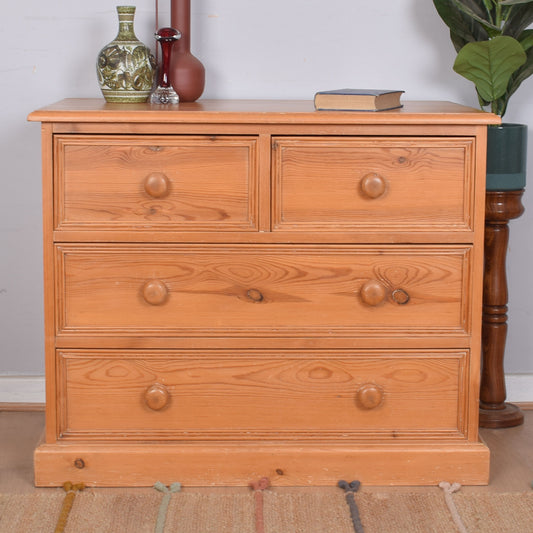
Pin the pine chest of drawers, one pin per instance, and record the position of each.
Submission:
(237, 289)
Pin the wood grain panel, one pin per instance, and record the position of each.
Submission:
(211, 183)
(251, 291)
(261, 394)
(323, 183)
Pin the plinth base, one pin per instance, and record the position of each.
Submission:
(508, 417)
(286, 464)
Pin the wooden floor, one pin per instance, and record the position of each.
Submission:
(511, 454)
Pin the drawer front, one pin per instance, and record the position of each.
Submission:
(383, 184)
(156, 183)
(264, 290)
(262, 395)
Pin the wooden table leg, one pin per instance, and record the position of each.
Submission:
(501, 206)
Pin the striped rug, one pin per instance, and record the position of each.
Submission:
(264, 510)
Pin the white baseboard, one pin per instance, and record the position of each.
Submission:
(30, 389)
(519, 388)
(22, 389)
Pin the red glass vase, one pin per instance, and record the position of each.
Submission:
(187, 73)
(164, 93)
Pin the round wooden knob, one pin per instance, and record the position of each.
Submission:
(373, 292)
(373, 185)
(156, 397)
(369, 396)
(155, 292)
(156, 185)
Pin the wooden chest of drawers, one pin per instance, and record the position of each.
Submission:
(252, 288)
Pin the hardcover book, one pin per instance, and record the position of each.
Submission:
(358, 100)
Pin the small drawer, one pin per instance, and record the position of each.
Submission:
(245, 290)
(381, 184)
(264, 394)
(143, 183)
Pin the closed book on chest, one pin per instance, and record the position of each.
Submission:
(358, 100)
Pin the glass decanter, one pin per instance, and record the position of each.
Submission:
(164, 93)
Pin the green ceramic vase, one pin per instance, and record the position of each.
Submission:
(506, 157)
(126, 67)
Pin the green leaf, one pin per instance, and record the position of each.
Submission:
(490, 65)
(514, 2)
(481, 9)
(462, 28)
(521, 74)
(457, 41)
(526, 39)
(519, 19)
(468, 9)
(489, 5)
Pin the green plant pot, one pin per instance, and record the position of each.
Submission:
(506, 157)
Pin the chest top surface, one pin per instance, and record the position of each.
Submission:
(258, 111)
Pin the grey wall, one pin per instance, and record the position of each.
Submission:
(251, 49)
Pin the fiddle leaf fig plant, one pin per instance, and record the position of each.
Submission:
(494, 47)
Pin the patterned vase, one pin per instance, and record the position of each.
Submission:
(126, 67)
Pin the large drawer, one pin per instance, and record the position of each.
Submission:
(250, 290)
(373, 183)
(262, 394)
(156, 183)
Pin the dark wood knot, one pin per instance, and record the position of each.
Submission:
(400, 296)
(254, 295)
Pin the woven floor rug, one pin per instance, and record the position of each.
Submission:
(288, 510)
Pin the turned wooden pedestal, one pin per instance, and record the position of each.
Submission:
(501, 206)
